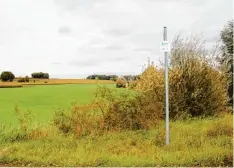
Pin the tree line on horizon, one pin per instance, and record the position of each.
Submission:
(8, 76)
(112, 77)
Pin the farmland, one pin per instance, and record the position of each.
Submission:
(43, 100)
(53, 82)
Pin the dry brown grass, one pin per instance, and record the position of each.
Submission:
(9, 85)
(57, 82)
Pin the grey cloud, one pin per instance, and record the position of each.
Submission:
(74, 4)
(64, 30)
(114, 47)
(142, 49)
(146, 40)
(116, 32)
(84, 63)
(212, 39)
(56, 63)
(195, 3)
(96, 61)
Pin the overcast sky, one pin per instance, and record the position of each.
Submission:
(75, 38)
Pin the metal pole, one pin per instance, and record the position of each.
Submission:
(166, 88)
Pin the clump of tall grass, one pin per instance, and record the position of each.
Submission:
(222, 127)
(81, 120)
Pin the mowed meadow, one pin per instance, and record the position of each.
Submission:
(44, 99)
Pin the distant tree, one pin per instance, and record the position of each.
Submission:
(7, 76)
(46, 76)
(227, 56)
(113, 77)
(103, 77)
(40, 75)
(130, 77)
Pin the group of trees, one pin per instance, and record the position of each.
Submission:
(103, 77)
(131, 77)
(113, 77)
(40, 75)
(8, 76)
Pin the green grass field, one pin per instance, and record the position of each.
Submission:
(43, 100)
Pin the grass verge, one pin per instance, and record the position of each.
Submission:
(196, 142)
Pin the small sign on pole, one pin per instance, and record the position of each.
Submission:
(165, 46)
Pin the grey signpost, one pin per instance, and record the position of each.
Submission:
(166, 83)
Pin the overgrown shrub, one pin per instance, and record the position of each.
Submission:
(7, 76)
(121, 82)
(109, 111)
(132, 84)
(196, 88)
(126, 110)
(151, 86)
(81, 120)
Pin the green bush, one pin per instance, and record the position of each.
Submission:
(7, 76)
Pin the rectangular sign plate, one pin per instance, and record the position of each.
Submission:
(165, 46)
